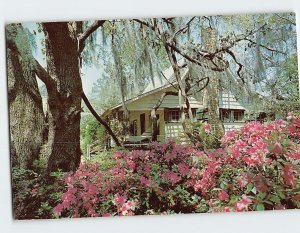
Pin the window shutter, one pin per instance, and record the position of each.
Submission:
(166, 114)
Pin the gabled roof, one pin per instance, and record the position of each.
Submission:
(157, 84)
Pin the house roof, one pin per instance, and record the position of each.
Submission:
(158, 83)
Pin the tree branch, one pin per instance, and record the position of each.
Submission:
(98, 118)
(145, 24)
(169, 81)
(43, 75)
(239, 64)
(265, 47)
(291, 22)
(198, 84)
(184, 28)
(239, 38)
(87, 33)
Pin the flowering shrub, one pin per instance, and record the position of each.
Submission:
(256, 168)
(202, 135)
(35, 193)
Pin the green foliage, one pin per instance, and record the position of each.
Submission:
(288, 80)
(35, 192)
(202, 135)
(92, 131)
(104, 159)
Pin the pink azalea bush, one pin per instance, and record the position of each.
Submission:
(256, 168)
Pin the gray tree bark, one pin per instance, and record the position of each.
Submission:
(26, 117)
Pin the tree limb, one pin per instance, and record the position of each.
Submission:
(265, 47)
(239, 64)
(184, 28)
(198, 83)
(169, 82)
(87, 33)
(98, 118)
(145, 23)
(43, 75)
(291, 22)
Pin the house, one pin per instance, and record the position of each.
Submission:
(233, 111)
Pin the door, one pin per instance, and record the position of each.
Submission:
(142, 121)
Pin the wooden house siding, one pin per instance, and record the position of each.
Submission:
(229, 101)
(146, 103)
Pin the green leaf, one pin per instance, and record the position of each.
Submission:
(260, 207)
(275, 199)
(261, 195)
(281, 195)
(249, 188)
(233, 199)
(268, 202)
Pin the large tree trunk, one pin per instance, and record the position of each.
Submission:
(64, 103)
(25, 103)
(209, 40)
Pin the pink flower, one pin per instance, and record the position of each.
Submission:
(172, 176)
(145, 181)
(119, 200)
(229, 137)
(131, 165)
(207, 128)
(277, 149)
(226, 209)
(117, 155)
(244, 180)
(223, 196)
(290, 116)
(242, 205)
(34, 191)
(58, 209)
(183, 169)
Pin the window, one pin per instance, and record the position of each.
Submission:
(238, 115)
(202, 115)
(225, 115)
(229, 115)
(173, 115)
